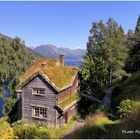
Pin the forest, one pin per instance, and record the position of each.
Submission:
(112, 61)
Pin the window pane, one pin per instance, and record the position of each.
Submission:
(40, 112)
(38, 91)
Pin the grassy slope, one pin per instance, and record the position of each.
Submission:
(102, 127)
(129, 89)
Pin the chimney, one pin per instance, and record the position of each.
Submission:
(43, 64)
(33, 62)
(61, 58)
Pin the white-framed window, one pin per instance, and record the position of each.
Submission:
(76, 83)
(38, 91)
(39, 112)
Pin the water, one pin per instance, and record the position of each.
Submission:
(72, 62)
(6, 94)
(1, 106)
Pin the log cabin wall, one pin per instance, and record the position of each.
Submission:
(72, 111)
(48, 101)
(65, 94)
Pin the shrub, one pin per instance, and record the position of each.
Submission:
(116, 91)
(29, 131)
(92, 108)
(126, 76)
(9, 103)
(6, 131)
(126, 108)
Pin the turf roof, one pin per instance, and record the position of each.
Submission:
(59, 75)
(75, 97)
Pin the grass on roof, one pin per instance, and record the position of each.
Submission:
(68, 101)
(61, 75)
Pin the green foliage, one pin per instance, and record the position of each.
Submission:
(14, 59)
(133, 43)
(106, 56)
(28, 131)
(94, 73)
(128, 89)
(126, 108)
(100, 127)
(9, 103)
(6, 131)
(92, 108)
(25, 130)
(137, 29)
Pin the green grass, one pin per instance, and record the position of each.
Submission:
(56, 133)
(129, 89)
(104, 128)
(68, 101)
(25, 130)
(96, 127)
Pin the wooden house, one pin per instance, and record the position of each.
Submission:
(48, 92)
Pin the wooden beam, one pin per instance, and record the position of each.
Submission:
(90, 98)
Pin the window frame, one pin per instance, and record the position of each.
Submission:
(36, 91)
(40, 115)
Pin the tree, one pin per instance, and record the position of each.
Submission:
(94, 73)
(15, 57)
(106, 54)
(133, 44)
(137, 30)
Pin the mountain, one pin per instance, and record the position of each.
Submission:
(53, 51)
(35, 53)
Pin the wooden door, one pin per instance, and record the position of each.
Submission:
(66, 117)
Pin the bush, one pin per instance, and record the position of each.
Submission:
(126, 76)
(126, 108)
(9, 103)
(29, 131)
(116, 91)
(6, 131)
(93, 107)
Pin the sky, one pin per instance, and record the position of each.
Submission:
(64, 24)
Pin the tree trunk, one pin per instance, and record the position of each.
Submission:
(110, 76)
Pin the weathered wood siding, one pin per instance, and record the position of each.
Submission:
(48, 101)
(65, 94)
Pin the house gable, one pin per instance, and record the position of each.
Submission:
(30, 100)
(38, 80)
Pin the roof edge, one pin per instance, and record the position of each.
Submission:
(48, 80)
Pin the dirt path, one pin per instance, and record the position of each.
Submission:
(107, 98)
(78, 124)
(81, 122)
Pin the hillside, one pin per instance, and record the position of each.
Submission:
(108, 124)
(15, 57)
(53, 51)
(35, 53)
(128, 89)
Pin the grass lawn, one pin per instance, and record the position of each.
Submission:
(56, 133)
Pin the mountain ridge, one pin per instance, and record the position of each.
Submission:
(48, 50)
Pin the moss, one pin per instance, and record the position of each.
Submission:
(68, 101)
(61, 76)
